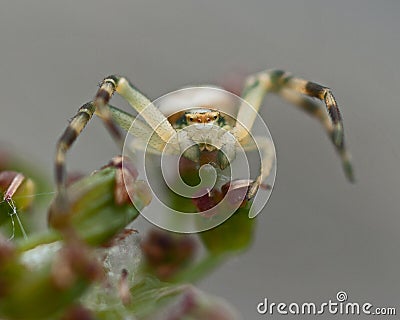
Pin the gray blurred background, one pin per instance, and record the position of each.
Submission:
(318, 234)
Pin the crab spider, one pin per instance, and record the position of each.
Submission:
(163, 130)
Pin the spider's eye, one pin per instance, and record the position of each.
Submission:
(215, 117)
(191, 119)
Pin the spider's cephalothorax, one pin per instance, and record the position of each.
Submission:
(206, 129)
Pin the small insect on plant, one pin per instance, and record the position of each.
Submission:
(183, 130)
(14, 183)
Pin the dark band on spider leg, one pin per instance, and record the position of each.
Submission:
(70, 134)
(103, 95)
(73, 130)
(107, 88)
(315, 90)
(277, 75)
(60, 174)
(275, 80)
(280, 78)
(333, 108)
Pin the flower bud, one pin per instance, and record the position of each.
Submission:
(97, 207)
(166, 253)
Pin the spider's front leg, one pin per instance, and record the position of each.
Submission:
(267, 154)
(297, 91)
(112, 118)
(227, 152)
(99, 105)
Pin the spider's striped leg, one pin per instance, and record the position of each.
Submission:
(314, 90)
(111, 118)
(147, 139)
(150, 114)
(267, 152)
(288, 86)
(78, 123)
(147, 110)
(103, 96)
(314, 109)
(70, 134)
(99, 106)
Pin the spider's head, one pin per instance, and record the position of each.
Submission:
(202, 116)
